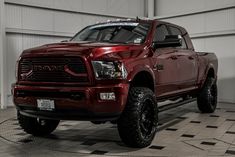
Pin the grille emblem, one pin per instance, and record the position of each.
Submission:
(48, 68)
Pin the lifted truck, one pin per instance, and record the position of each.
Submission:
(115, 71)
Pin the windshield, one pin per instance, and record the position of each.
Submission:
(121, 32)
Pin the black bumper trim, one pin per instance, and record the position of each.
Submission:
(82, 114)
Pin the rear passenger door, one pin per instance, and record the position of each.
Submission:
(186, 65)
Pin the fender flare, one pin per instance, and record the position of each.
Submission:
(210, 66)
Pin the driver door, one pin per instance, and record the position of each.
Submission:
(164, 65)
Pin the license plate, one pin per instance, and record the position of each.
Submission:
(46, 105)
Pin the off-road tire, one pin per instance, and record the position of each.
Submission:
(137, 125)
(207, 98)
(36, 126)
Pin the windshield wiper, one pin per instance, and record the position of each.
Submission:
(109, 41)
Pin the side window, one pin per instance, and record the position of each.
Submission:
(176, 31)
(161, 32)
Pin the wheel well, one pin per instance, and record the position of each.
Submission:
(211, 73)
(143, 79)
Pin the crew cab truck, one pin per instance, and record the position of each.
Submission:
(115, 71)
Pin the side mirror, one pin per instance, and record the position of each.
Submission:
(170, 41)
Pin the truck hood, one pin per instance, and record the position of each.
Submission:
(92, 50)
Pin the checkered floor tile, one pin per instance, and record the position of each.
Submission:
(183, 132)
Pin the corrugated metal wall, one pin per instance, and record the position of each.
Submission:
(211, 24)
(32, 23)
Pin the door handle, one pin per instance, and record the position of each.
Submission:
(191, 58)
(174, 57)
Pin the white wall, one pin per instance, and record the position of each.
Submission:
(32, 23)
(211, 24)
(170, 7)
(3, 79)
(115, 8)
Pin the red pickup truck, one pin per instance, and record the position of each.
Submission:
(116, 71)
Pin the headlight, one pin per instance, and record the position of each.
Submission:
(109, 70)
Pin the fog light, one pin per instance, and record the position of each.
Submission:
(107, 96)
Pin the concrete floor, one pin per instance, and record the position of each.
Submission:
(182, 132)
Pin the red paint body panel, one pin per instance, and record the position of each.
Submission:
(184, 72)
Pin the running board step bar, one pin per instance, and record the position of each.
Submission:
(173, 105)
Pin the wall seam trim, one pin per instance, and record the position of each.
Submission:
(213, 34)
(39, 32)
(69, 35)
(194, 13)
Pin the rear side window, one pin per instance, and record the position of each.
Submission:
(176, 31)
(160, 33)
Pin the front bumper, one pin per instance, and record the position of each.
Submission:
(71, 103)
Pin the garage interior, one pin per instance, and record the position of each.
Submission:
(183, 131)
